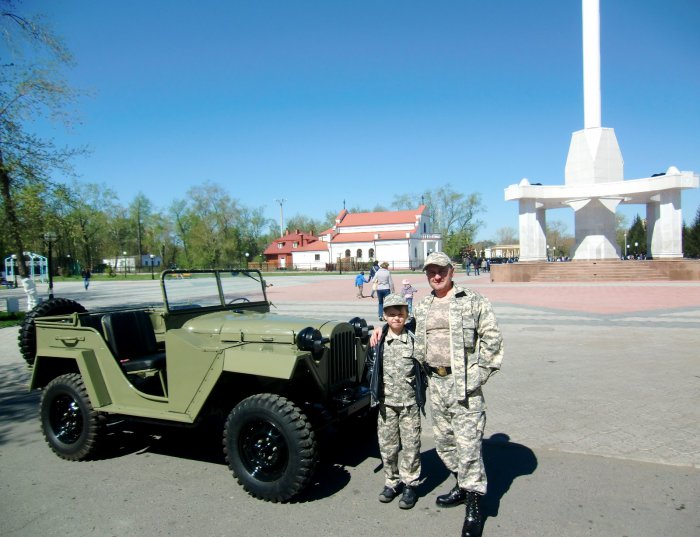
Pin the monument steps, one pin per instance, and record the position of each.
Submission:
(602, 271)
(578, 271)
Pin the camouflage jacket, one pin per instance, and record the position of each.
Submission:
(395, 376)
(476, 349)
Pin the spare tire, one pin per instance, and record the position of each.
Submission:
(27, 332)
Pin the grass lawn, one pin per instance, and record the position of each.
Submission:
(10, 319)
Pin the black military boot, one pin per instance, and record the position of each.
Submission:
(455, 497)
(408, 500)
(388, 494)
(473, 521)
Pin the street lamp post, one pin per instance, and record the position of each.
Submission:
(50, 237)
(636, 244)
(152, 257)
(246, 260)
(626, 245)
(124, 260)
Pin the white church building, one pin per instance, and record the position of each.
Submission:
(401, 238)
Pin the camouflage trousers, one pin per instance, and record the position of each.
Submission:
(458, 428)
(398, 428)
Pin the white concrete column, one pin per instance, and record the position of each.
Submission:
(665, 225)
(591, 64)
(532, 225)
(594, 220)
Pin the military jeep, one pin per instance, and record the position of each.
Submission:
(212, 348)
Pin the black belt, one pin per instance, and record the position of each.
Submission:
(441, 371)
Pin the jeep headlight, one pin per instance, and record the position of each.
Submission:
(310, 339)
(361, 328)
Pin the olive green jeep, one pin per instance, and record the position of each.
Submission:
(213, 348)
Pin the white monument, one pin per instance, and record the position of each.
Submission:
(594, 182)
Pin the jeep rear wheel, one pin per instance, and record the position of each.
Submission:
(270, 447)
(72, 428)
(27, 332)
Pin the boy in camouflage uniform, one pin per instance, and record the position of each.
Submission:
(393, 385)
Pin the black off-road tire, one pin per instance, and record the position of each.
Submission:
(72, 427)
(27, 332)
(270, 447)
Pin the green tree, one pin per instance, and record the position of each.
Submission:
(557, 239)
(621, 231)
(455, 215)
(31, 88)
(305, 224)
(84, 212)
(140, 215)
(637, 237)
(507, 235)
(182, 225)
(691, 237)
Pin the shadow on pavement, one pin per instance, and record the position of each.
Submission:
(504, 461)
(348, 447)
(433, 472)
(17, 404)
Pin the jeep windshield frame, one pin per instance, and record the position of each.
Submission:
(212, 289)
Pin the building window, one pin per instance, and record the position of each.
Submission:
(371, 253)
(347, 254)
(295, 245)
(415, 252)
(279, 245)
(359, 253)
(317, 257)
(424, 227)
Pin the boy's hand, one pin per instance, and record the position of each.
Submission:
(376, 336)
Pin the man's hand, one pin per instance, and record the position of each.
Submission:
(376, 336)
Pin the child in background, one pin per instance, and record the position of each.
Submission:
(397, 386)
(407, 292)
(359, 284)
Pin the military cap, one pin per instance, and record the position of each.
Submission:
(394, 300)
(438, 258)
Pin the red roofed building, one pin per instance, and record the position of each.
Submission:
(294, 248)
(401, 238)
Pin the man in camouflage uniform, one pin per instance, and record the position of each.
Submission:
(460, 343)
(458, 339)
(393, 387)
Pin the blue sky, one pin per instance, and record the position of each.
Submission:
(323, 101)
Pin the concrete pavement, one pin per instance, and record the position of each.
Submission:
(593, 428)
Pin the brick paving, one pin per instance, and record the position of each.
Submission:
(603, 298)
(585, 362)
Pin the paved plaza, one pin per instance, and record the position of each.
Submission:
(593, 428)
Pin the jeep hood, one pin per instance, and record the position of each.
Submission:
(253, 327)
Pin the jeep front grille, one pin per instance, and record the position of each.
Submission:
(342, 366)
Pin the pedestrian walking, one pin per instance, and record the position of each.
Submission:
(385, 285)
(360, 284)
(86, 277)
(372, 271)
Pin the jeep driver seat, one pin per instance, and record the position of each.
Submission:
(131, 338)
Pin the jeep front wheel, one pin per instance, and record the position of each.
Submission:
(270, 447)
(72, 428)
